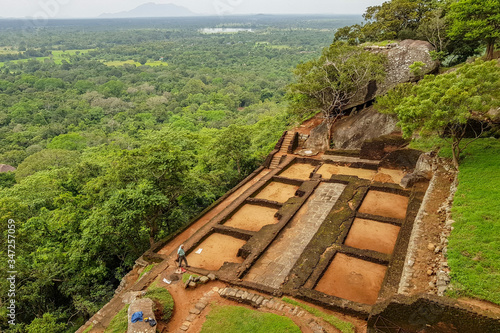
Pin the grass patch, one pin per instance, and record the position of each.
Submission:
(146, 269)
(474, 244)
(162, 296)
(186, 276)
(89, 329)
(119, 323)
(237, 319)
(343, 326)
(57, 55)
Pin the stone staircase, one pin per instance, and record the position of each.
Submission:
(283, 149)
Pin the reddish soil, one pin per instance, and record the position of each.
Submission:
(277, 191)
(384, 204)
(300, 171)
(216, 250)
(252, 217)
(372, 235)
(308, 125)
(426, 260)
(353, 279)
(184, 299)
(174, 244)
(395, 175)
(327, 170)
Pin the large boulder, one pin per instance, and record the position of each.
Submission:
(399, 58)
(6, 168)
(350, 132)
(318, 139)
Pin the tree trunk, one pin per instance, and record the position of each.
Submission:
(238, 166)
(455, 149)
(490, 49)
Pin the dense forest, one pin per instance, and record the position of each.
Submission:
(121, 131)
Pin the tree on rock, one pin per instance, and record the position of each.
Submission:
(476, 19)
(444, 104)
(331, 81)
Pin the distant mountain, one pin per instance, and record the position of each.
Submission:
(151, 10)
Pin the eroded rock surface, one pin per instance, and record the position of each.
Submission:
(400, 56)
(318, 140)
(350, 132)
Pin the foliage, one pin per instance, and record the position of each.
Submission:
(445, 103)
(476, 20)
(428, 20)
(162, 296)
(45, 160)
(331, 81)
(7, 179)
(343, 326)
(113, 158)
(119, 323)
(48, 323)
(236, 319)
(146, 269)
(474, 244)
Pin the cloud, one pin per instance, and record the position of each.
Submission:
(93, 8)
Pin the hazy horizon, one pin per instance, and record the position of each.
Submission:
(57, 9)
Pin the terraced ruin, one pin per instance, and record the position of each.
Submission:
(329, 230)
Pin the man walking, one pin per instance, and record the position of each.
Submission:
(181, 254)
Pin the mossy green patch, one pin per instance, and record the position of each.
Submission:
(162, 296)
(88, 329)
(343, 326)
(146, 269)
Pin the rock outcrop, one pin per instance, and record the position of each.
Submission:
(318, 139)
(399, 58)
(368, 124)
(6, 168)
(146, 306)
(350, 132)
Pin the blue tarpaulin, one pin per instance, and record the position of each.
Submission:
(137, 316)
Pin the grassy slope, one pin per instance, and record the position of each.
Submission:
(474, 244)
(119, 323)
(236, 319)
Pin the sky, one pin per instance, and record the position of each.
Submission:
(93, 8)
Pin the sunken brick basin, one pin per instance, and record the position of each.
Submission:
(252, 217)
(327, 170)
(384, 204)
(216, 249)
(300, 171)
(352, 279)
(372, 235)
(277, 191)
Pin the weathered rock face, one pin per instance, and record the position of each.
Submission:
(400, 56)
(146, 306)
(368, 124)
(6, 168)
(318, 139)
